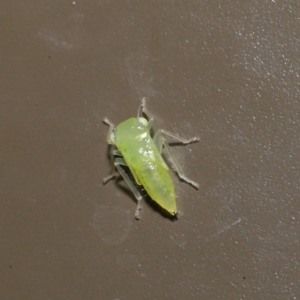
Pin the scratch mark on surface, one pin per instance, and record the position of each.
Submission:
(226, 228)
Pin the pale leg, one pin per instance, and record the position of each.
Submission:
(111, 128)
(146, 112)
(160, 141)
(118, 162)
(111, 155)
(160, 132)
(113, 173)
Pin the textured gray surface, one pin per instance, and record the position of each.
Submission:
(225, 71)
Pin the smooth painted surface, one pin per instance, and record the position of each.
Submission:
(226, 72)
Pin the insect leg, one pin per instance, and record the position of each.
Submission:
(112, 154)
(118, 162)
(117, 153)
(113, 173)
(111, 128)
(160, 141)
(146, 112)
(184, 141)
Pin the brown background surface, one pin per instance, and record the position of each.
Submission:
(226, 71)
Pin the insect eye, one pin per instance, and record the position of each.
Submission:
(143, 121)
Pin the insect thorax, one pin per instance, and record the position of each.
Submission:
(131, 130)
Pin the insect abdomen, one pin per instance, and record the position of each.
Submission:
(159, 185)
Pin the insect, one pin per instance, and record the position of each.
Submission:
(141, 153)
